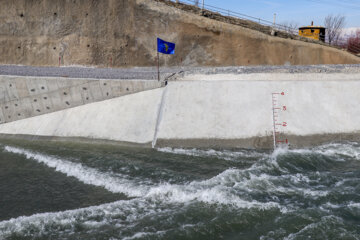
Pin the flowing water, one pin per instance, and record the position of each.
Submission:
(74, 191)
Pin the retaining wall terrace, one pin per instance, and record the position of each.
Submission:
(23, 97)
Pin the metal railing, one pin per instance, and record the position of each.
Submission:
(279, 27)
(230, 13)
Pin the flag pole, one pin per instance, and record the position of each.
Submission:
(158, 65)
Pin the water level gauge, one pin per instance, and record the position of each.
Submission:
(279, 123)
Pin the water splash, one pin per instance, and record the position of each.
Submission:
(114, 183)
(120, 212)
(212, 191)
(224, 154)
(288, 184)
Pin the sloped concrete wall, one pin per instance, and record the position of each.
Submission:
(130, 119)
(220, 112)
(24, 97)
(215, 111)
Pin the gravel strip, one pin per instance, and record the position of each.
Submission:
(150, 73)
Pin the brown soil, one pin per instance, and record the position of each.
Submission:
(239, 22)
(122, 33)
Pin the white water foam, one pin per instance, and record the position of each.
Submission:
(129, 210)
(225, 154)
(212, 191)
(145, 234)
(354, 205)
(349, 149)
(336, 149)
(217, 190)
(213, 195)
(325, 221)
(113, 183)
(252, 180)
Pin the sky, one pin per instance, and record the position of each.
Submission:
(301, 12)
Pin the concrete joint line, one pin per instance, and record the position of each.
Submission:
(159, 116)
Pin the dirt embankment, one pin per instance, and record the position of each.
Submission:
(122, 33)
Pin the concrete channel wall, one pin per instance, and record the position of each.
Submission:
(24, 97)
(219, 110)
(236, 110)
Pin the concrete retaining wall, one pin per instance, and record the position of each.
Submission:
(24, 97)
(238, 112)
(130, 118)
(215, 111)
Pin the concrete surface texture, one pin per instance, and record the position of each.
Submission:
(130, 118)
(150, 73)
(233, 110)
(264, 69)
(214, 112)
(123, 34)
(144, 73)
(23, 97)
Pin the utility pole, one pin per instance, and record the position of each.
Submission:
(274, 19)
(158, 65)
(203, 4)
(273, 31)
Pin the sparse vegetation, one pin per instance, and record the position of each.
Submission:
(334, 25)
(353, 43)
(290, 27)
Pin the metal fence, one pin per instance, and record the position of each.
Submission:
(230, 13)
(341, 43)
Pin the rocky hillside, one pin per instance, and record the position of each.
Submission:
(122, 33)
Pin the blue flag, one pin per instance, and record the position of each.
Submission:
(165, 47)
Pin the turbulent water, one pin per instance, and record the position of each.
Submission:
(67, 191)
